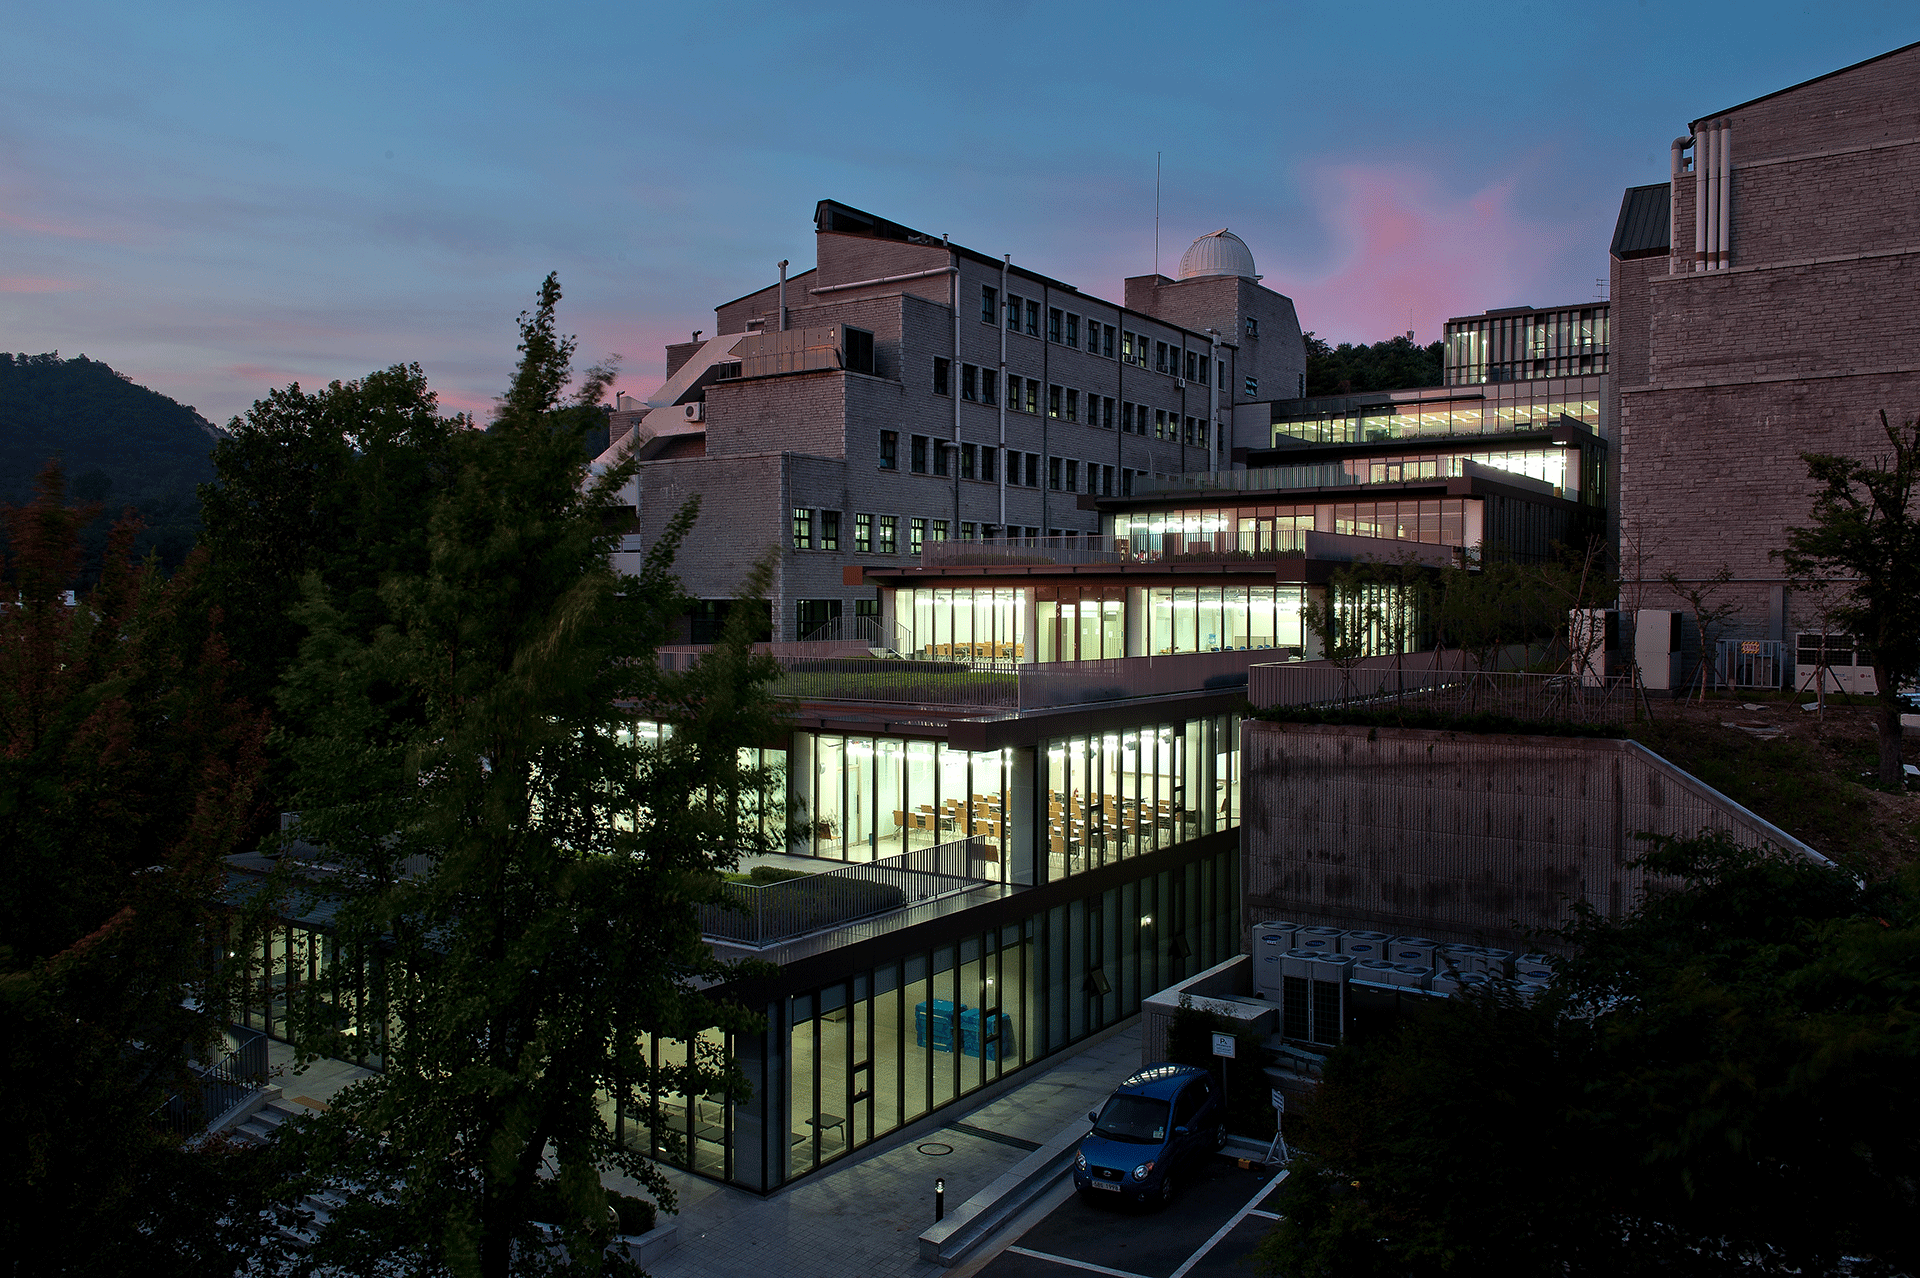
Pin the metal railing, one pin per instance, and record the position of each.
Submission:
(1131, 548)
(980, 684)
(1754, 663)
(1508, 694)
(220, 1086)
(760, 914)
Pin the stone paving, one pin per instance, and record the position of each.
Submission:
(318, 1081)
(864, 1216)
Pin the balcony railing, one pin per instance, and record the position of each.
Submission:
(1386, 684)
(759, 915)
(1129, 548)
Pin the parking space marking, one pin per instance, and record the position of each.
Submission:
(1227, 1228)
(1264, 1215)
(1087, 1265)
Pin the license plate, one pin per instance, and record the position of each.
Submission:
(1106, 1184)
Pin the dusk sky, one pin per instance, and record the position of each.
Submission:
(220, 199)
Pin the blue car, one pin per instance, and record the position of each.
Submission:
(1150, 1130)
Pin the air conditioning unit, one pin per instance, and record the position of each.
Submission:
(694, 412)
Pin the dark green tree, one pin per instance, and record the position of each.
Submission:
(128, 770)
(1863, 550)
(1349, 369)
(527, 864)
(1719, 1083)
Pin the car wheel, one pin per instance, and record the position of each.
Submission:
(1167, 1188)
(1219, 1137)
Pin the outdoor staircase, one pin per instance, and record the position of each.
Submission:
(259, 1128)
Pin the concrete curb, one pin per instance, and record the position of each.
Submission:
(949, 1242)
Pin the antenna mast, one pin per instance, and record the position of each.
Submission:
(1156, 212)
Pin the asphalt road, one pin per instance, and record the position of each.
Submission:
(1209, 1231)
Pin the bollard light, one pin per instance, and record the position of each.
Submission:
(939, 1198)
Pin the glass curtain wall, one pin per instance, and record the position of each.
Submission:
(1223, 618)
(293, 967)
(1438, 521)
(1501, 408)
(972, 623)
(864, 798)
(1123, 794)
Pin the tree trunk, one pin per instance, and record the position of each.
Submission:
(1891, 746)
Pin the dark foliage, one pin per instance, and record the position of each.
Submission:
(1394, 364)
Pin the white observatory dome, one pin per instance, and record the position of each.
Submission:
(1218, 253)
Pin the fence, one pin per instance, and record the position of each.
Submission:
(761, 914)
(1754, 663)
(1386, 686)
(1127, 548)
(221, 1086)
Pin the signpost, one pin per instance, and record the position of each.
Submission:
(1223, 1045)
(1279, 1101)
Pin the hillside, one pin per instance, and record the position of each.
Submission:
(121, 444)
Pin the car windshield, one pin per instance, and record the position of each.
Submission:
(1139, 1119)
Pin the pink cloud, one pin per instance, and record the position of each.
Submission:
(1410, 253)
(64, 230)
(37, 284)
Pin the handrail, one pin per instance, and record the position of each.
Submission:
(760, 914)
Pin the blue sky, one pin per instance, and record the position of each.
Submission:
(218, 199)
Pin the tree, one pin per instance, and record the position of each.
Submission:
(1718, 1083)
(1710, 615)
(1864, 545)
(1393, 364)
(337, 482)
(128, 770)
(527, 866)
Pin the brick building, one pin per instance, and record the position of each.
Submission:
(1763, 306)
(907, 390)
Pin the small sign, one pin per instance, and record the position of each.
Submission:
(1223, 1045)
(1279, 1100)
(1750, 647)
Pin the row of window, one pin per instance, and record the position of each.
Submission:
(880, 534)
(926, 455)
(1022, 315)
(1065, 403)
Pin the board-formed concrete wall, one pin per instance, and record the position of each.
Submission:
(1455, 836)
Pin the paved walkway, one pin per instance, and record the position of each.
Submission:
(864, 1216)
(318, 1082)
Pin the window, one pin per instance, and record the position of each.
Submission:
(1253, 327)
(939, 530)
(967, 454)
(1032, 533)
(1159, 357)
(1126, 417)
(916, 536)
(1159, 423)
(1073, 405)
(1033, 470)
(889, 450)
(1054, 321)
(1128, 344)
(1073, 476)
(989, 304)
(1053, 401)
(857, 350)
(1073, 330)
(942, 372)
(919, 463)
(1251, 386)
(987, 452)
(888, 542)
(1206, 370)
(1126, 482)
(942, 457)
(1033, 318)
(1013, 465)
(1106, 481)
(811, 614)
(969, 382)
(1106, 413)
(1033, 396)
(1053, 473)
(1193, 366)
(1188, 437)
(1106, 346)
(829, 530)
(1013, 313)
(802, 528)
(989, 386)
(966, 531)
(866, 607)
(863, 533)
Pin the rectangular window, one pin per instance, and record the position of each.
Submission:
(919, 462)
(1192, 365)
(1188, 437)
(1253, 327)
(1159, 357)
(1252, 387)
(942, 457)
(889, 450)
(989, 304)
(916, 535)
(939, 531)
(1013, 465)
(969, 382)
(1106, 413)
(1159, 423)
(967, 453)
(989, 386)
(1053, 401)
(1054, 320)
(829, 530)
(1206, 370)
(863, 533)
(802, 528)
(966, 531)
(1106, 346)
(1013, 313)
(1106, 481)
(857, 350)
(1073, 476)
(1126, 418)
(1033, 396)
(942, 371)
(1073, 330)
(1073, 405)
(1127, 348)
(889, 532)
(987, 452)
(1033, 470)
(1126, 482)
(1033, 318)
(1053, 473)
